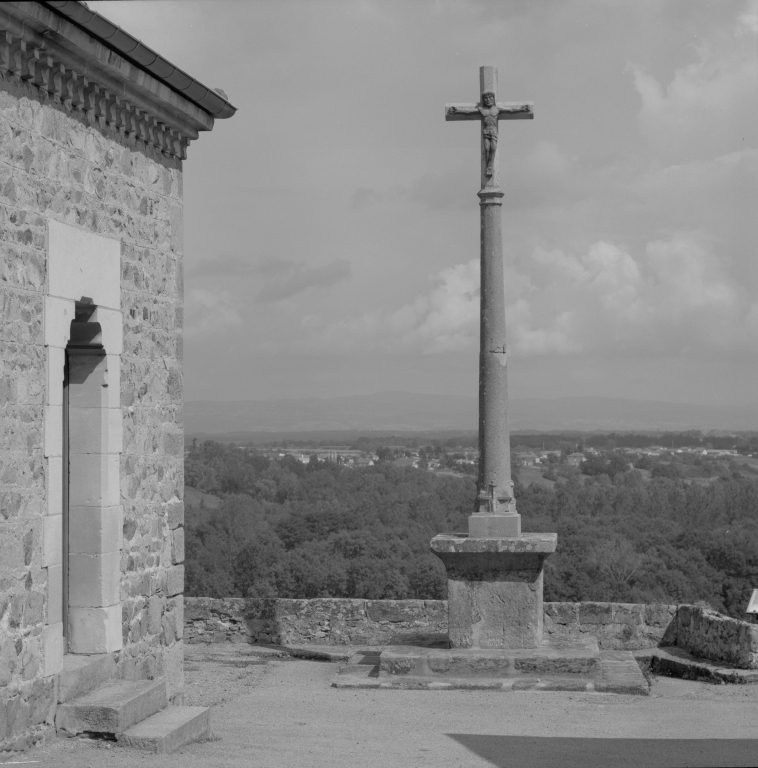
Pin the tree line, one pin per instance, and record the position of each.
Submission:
(275, 527)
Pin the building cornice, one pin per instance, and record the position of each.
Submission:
(85, 75)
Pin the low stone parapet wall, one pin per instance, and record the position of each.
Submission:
(339, 621)
(713, 636)
(617, 626)
(321, 621)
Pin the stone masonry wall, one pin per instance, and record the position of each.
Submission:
(712, 636)
(617, 626)
(323, 621)
(55, 164)
(333, 621)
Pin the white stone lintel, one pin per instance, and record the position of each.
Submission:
(83, 265)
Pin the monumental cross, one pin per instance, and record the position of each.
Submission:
(495, 508)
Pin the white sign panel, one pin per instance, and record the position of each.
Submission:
(752, 606)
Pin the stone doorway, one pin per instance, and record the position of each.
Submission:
(83, 443)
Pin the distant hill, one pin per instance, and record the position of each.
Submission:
(404, 412)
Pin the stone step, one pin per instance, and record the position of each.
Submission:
(494, 662)
(112, 708)
(82, 674)
(168, 730)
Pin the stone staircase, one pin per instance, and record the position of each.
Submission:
(135, 714)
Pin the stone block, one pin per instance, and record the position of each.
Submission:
(113, 708)
(87, 380)
(177, 545)
(95, 430)
(95, 480)
(52, 643)
(628, 613)
(562, 613)
(83, 263)
(55, 359)
(485, 526)
(175, 513)
(42, 701)
(168, 730)
(659, 615)
(595, 613)
(52, 540)
(95, 630)
(54, 485)
(94, 580)
(502, 611)
(173, 668)
(54, 594)
(155, 606)
(175, 580)
(112, 390)
(111, 323)
(58, 314)
(82, 674)
(95, 530)
(173, 619)
(53, 429)
(197, 608)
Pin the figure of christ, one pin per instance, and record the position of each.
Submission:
(490, 112)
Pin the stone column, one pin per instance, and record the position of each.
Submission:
(495, 508)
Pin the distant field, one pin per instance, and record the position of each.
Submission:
(533, 476)
(748, 461)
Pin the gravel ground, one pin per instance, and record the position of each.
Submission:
(270, 711)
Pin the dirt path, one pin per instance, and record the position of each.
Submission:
(278, 713)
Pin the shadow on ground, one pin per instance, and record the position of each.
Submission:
(562, 752)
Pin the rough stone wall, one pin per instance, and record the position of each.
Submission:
(712, 636)
(54, 164)
(324, 621)
(333, 621)
(617, 626)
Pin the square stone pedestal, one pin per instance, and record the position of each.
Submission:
(494, 588)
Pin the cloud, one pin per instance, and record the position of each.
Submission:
(210, 310)
(273, 279)
(673, 296)
(287, 279)
(709, 106)
(444, 319)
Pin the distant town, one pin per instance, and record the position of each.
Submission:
(684, 455)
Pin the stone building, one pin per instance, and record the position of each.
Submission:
(94, 128)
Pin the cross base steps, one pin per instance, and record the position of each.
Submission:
(566, 666)
(580, 657)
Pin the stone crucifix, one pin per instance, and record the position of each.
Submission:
(495, 513)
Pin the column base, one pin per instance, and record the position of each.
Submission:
(487, 526)
(495, 588)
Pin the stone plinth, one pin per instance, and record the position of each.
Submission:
(494, 588)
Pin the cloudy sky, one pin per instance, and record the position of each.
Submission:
(332, 225)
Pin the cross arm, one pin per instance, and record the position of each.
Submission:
(507, 110)
(462, 112)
